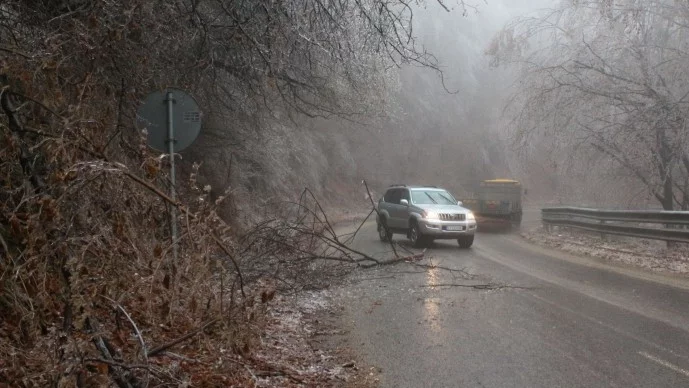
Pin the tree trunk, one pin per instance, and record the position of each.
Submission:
(668, 200)
(665, 169)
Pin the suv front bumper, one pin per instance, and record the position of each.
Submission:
(446, 229)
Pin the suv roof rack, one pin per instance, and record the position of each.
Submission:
(412, 186)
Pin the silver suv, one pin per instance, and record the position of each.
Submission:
(423, 214)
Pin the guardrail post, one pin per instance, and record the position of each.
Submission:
(603, 236)
(546, 225)
(670, 244)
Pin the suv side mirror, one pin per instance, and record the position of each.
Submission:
(404, 202)
(460, 203)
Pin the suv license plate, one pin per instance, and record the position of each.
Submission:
(453, 227)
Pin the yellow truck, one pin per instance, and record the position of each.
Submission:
(497, 202)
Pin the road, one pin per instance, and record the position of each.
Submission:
(576, 323)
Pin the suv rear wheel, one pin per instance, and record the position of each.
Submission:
(465, 241)
(383, 231)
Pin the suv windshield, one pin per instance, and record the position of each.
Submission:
(428, 197)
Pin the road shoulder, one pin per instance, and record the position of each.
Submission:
(585, 250)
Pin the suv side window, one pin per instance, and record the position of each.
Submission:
(405, 195)
(395, 195)
(388, 195)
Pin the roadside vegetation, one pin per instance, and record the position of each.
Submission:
(91, 294)
(600, 107)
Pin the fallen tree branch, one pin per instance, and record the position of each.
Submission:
(447, 269)
(136, 329)
(353, 235)
(119, 364)
(160, 349)
(375, 278)
(4, 245)
(138, 335)
(183, 358)
(344, 247)
(278, 373)
(484, 286)
(272, 370)
(121, 378)
(325, 216)
(234, 262)
(253, 375)
(394, 261)
(15, 52)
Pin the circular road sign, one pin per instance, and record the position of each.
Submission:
(186, 119)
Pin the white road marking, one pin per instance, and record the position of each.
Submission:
(665, 363)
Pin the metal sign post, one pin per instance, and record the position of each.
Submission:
(169, 99)
(173, 121)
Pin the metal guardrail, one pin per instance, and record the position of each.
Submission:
(666, 225)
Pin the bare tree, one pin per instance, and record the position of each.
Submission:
(606, 76)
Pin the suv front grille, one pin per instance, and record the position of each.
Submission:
(451, 217)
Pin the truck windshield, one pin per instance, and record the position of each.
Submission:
(428, 197)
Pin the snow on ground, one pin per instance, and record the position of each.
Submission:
(648, 254)
(290, 359)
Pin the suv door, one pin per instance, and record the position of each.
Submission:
(404, 210)
(398, 212)
(392, 200)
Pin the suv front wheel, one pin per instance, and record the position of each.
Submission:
(417, 239)
(466, 241)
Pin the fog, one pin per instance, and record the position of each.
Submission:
(470, 95)
(441, 126)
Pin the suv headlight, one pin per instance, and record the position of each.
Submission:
(471, 217)
(430, 215)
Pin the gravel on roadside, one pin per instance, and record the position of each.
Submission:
(648, 254)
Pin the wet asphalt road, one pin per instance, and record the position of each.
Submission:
(578, 322)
